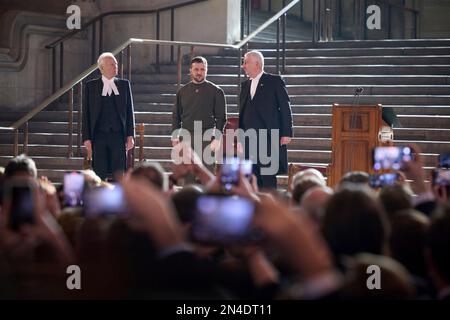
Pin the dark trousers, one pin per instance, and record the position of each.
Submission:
(108, 154)
(264, 181)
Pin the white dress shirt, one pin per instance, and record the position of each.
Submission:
(254, 84)
(109, 87)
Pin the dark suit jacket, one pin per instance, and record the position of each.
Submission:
(92, 107)
(272, 99)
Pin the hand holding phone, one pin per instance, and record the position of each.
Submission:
(444, 161)
(385, 158)
(105, 201)
(381, 180)
(229, 173)
(73, 189)
(19, 194)
(441, 177)
(223, 220)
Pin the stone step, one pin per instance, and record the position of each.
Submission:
(142, 111)
(322, 131)
(46, 127)
(405, 110)
(422, 134)
(299, 79)
(311, 143)
(418, 43)
(270, 51)
(312, 108)
(325, 99)
(373, 69)
(353, 60)
(314, 119)
(232, 108)
(316, 89)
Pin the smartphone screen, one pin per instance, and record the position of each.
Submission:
(104, 201)
(441, 177)
(444, 161)
(223, 219)
(73, 189)
(20, 195)
(247, 168)
(229, 174)
(381, 180)
(391, 157)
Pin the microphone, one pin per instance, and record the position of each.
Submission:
(358, 91)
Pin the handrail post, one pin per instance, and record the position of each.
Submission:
(415, 24)
(242, 18)
(363, 20)
(121, 63)
(172, 33)
(157, 38)
(284, 38)
(129, 61)
(79, 118)
(249, 6)
(100, 36)
(278, 44)
(61, 65)
(314, 22)
(54, 69)
(16, 143)
(178, 67)
(239, 56)
(141, 141)
(70, 137)
(191, 53)
(25, 138)
(94, 36)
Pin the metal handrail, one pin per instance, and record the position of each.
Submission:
(64, 89)
(99, 44)
(267, 23)
(127, 45)
(121, 12)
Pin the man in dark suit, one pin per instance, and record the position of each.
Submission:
(108, 119)
(264, 104)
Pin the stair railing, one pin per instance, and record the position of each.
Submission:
(98, 43)
(124, 51)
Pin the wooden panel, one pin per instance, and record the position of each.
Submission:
(354, 135)
(356, 155)
(355, 121)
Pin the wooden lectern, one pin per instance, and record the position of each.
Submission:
(357, 130)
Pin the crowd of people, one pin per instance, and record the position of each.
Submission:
(136, 238)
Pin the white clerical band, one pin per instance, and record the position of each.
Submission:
(109, 87)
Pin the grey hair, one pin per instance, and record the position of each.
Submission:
(102, 56)
(258, 55)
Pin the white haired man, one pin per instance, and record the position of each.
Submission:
(108, 119)
(264, 105)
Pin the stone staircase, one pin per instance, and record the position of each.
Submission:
(411, 76)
